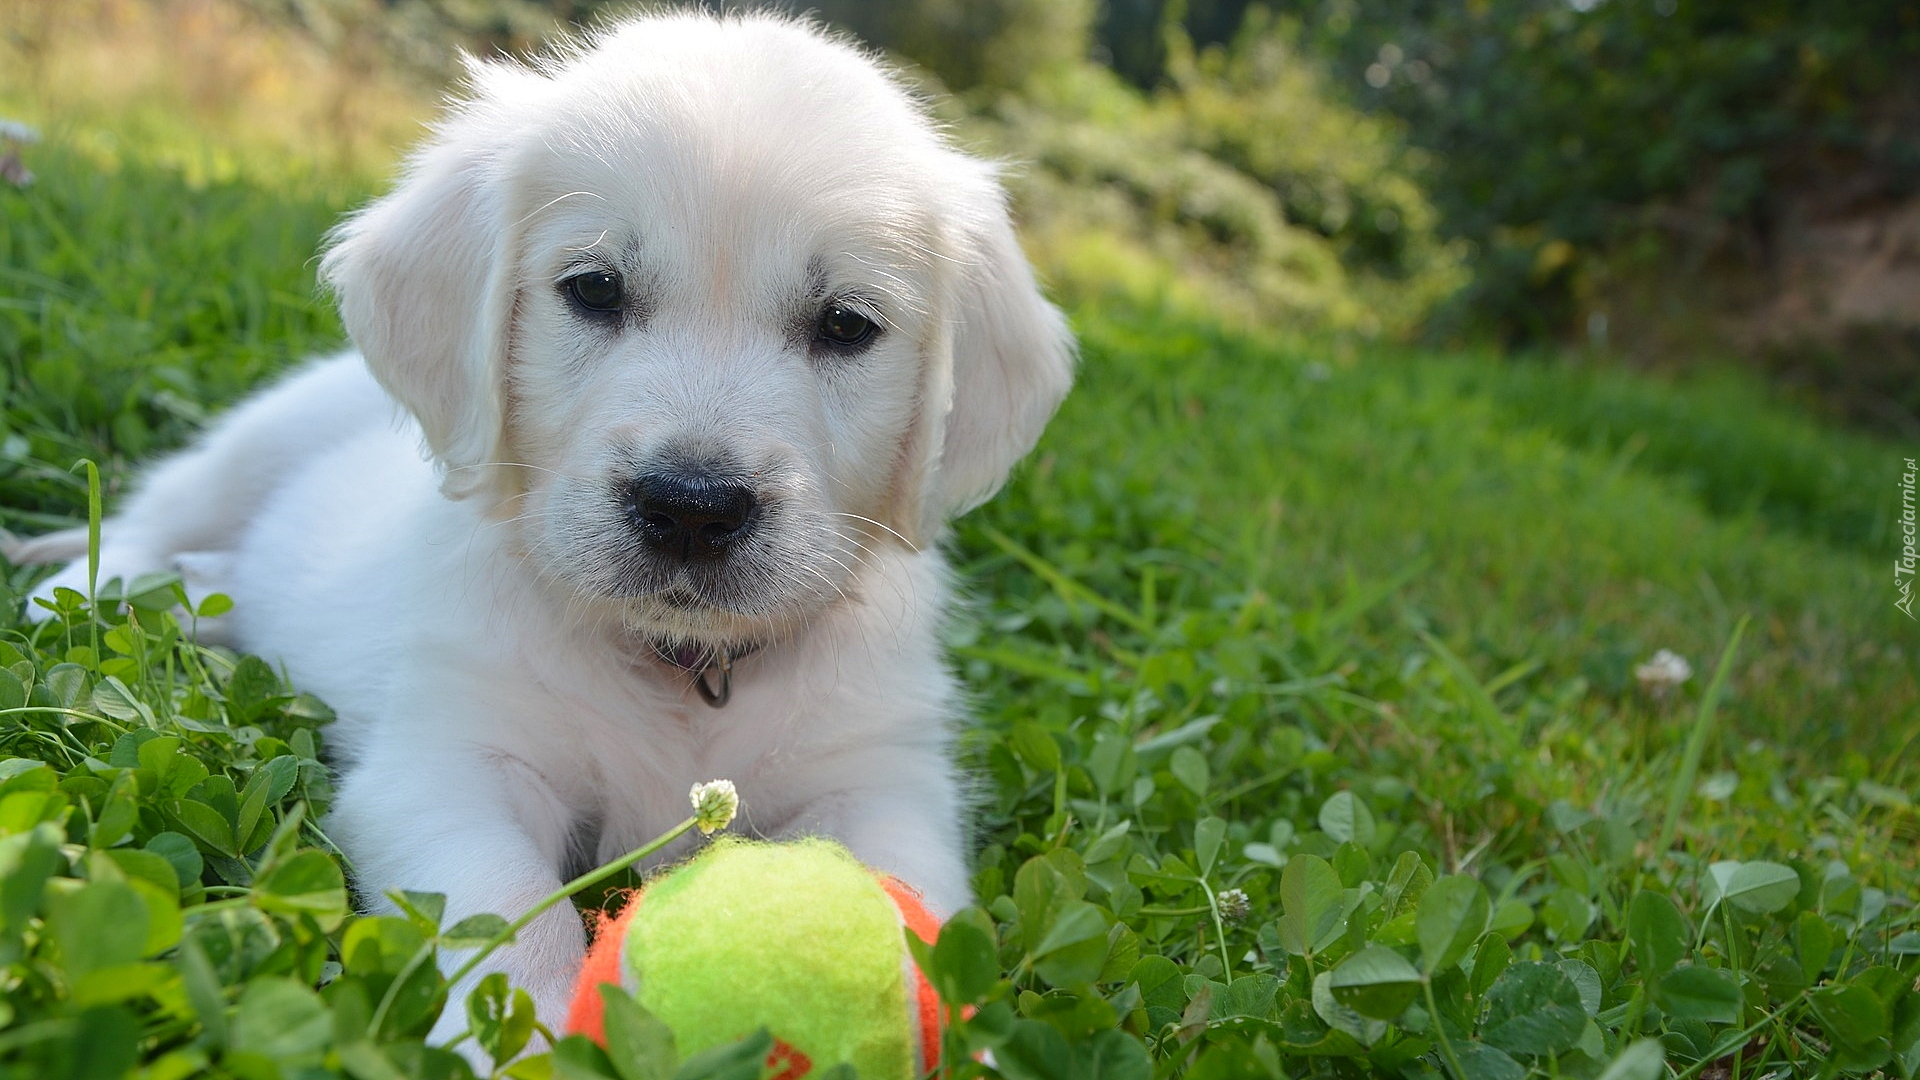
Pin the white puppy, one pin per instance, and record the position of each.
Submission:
(706, 332)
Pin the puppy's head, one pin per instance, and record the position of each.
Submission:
(707, 310)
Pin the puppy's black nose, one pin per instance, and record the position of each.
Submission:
(691, 517)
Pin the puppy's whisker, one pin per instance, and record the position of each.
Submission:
(829, 556)
(911, 546)
(860, 559)
(516, 465)
(899, 591)
(842, 593)
(596, 242)
(866, 559)
(555, 201)
(517, 519)
(863, 556)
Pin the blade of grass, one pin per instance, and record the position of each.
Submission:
(93, 550)
(1026, 665)
(1069, 589)
(1361, 599)
(1697, 740)
(1479, 698)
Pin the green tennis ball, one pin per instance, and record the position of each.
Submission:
(798, 938)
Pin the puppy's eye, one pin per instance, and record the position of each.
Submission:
(841, 327)
(595, 290)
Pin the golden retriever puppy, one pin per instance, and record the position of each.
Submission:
(699, 333)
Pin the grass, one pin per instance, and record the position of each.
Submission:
(1235, 464)
(1309, 743)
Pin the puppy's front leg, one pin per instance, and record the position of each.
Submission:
(914, 835)
(483, 828)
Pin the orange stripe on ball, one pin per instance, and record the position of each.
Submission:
(588, 1014)
(925, 927)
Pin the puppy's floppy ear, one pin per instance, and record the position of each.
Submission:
(425, 284)
(1012, 363)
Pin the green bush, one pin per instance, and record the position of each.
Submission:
(1265, 107)
(972, 44)
(1694, 122)
(1242, 187)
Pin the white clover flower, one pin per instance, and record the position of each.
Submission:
(15, 131)
(1663, 672)
(1234, 905)
(714, 804)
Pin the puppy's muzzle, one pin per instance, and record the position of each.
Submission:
(692, 517)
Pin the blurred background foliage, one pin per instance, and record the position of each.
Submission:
(1674, 182)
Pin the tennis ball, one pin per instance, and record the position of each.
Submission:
(798, 938)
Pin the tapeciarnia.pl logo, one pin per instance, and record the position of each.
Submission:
(1904, 566)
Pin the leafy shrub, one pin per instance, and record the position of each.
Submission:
(972, 44)
(1243, 186)
(1102, 170)
(1562, 131)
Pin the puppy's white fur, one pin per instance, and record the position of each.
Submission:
(479, 614)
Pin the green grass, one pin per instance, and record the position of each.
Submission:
(133, 299)
(1349, 630)
(1510, 502)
